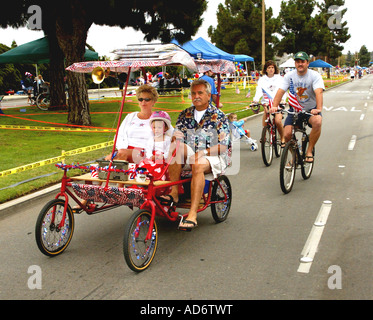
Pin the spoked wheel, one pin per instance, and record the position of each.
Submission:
(307, 167)
(277, 143)
(266, 146)
(287, 167)
(221, 190)
(43, 101)
(139, 252)
(51, 238)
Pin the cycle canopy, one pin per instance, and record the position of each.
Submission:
(134, 58)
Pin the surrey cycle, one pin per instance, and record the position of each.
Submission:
(55, 224)
(294, 153)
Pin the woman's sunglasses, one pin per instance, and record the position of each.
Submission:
(142, 99)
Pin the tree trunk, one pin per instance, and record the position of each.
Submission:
(71, 31)
(57, 74)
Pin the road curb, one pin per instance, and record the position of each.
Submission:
(8, 207)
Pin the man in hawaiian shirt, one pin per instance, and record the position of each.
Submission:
(205, 141)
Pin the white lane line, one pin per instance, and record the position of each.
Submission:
(314, 238)
(362, 117)
(351, 145)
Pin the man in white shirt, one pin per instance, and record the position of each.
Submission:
(309, 87)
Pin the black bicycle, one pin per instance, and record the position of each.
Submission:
(270, 139)
(294, 154)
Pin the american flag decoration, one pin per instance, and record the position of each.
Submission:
(293, 101)
(94, 174)
(267, 97)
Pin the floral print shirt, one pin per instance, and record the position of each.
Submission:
(213, 129)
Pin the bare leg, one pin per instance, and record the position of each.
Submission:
(315, 122)
(198, 182)
(280, 126)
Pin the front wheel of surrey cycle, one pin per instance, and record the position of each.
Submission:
(221, 190)
(43, 101)
(287, 167)
(137, 251)
(307, 167)
(266, 146)
(51, 238)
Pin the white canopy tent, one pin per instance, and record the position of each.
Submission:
(288, 64)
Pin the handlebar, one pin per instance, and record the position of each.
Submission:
(298, 112)
(257, 107)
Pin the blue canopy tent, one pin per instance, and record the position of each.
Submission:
(320, 64)
(202, 49)
(243, 58)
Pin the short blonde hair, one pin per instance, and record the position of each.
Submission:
(145, 88)
(230, 116)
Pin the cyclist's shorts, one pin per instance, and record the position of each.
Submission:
(301, 118)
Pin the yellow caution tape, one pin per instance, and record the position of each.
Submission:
(55, 159)
(68, 129)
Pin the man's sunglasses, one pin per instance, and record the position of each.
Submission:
(142, 99)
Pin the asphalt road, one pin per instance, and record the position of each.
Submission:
(254, 254)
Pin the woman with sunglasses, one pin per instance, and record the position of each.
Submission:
(135, 134)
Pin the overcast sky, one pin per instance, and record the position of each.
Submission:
(105, 39)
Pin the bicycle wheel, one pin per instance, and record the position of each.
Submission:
(266, 146)
(287, 167)
(221, 188)
(277, 142)
(43, 101)
(50, 238)
(137, 251)
(306, 167)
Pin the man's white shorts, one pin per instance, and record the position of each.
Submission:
(217, 164)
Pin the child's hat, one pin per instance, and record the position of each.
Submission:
(161, 115)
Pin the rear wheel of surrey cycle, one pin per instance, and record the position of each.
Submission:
(307, 167)
(139, 252)
(266, 146)
(277, 143)
(287, 167)
(43, 101)
(51, 238)
(221, 191)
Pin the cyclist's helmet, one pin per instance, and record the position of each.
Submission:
(161, 115)
(28, 74)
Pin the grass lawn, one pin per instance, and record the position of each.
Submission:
(22, 147)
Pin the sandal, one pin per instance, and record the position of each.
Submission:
(189, 228)
(308, 161)
(283, 144)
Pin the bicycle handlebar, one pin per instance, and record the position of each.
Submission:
(298, 112)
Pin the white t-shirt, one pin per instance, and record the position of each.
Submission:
(198, 115)
(270, 85)
(138, 133)
(304, 87)
(135, 132)
(163, 146)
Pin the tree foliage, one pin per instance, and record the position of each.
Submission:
(302, 25)
(67, 22)
(239, 28)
